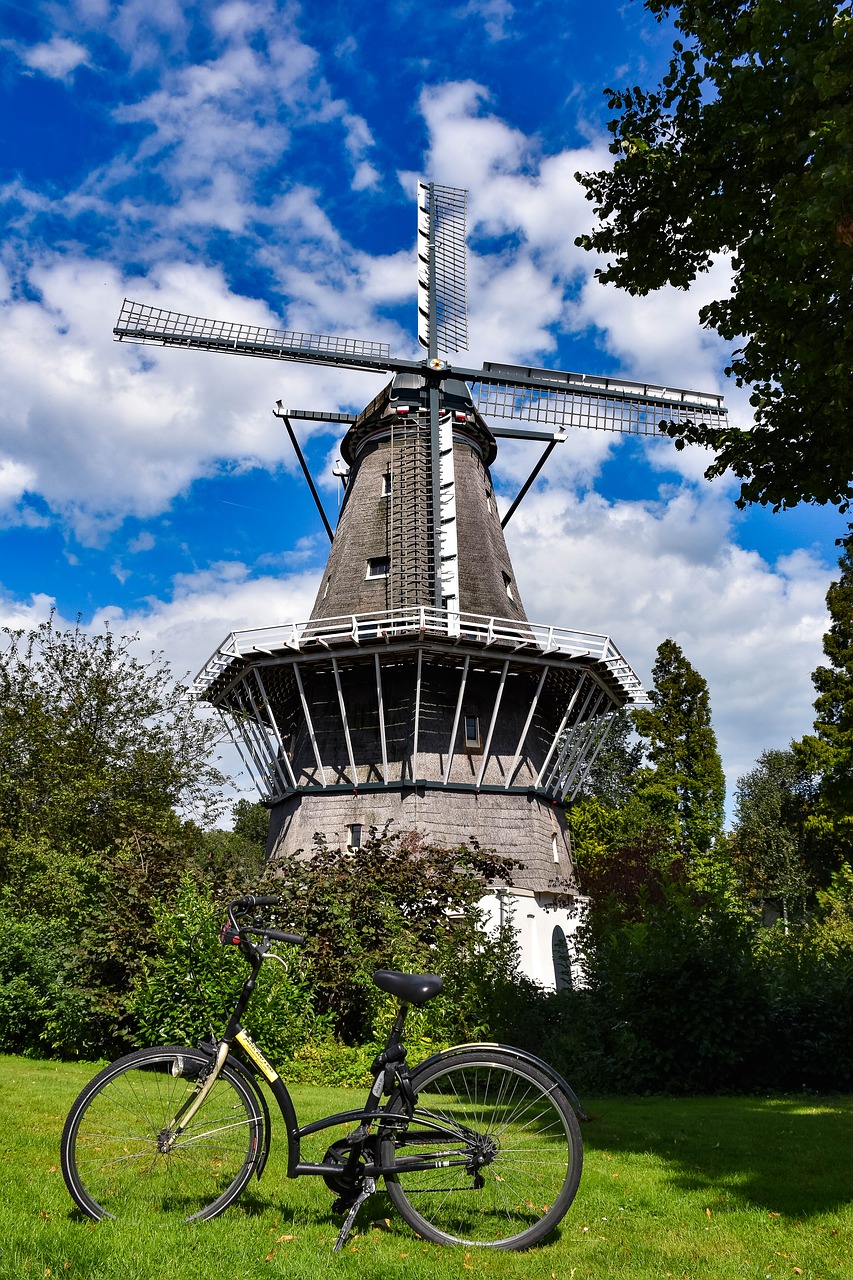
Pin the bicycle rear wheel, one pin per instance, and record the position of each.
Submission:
(503, 1166)
(117, 1159)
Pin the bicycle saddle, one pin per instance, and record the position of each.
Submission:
(413, 988)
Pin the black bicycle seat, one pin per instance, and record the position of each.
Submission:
(413, 988)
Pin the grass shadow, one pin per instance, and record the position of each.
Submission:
(788, 1156)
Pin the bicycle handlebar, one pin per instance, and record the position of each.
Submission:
(234, 932)
(279, 935)
(250, 901)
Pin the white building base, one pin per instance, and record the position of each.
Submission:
(546, 931)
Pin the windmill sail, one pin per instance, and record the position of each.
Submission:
(148, 325)
(442, 293)
(561, 400)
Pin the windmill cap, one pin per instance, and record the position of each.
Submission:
(406, 397)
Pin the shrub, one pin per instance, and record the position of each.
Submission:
(43, 1010)
(187, 990)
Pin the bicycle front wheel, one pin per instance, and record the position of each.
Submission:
(120, 1158)
(491, 1157)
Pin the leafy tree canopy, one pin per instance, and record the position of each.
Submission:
(769, 844)
(252, 822)
(97, 748)
(828, 751)
(102, 756)
(746, 149)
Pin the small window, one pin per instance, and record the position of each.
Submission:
(379, 567)
(326, 588)
(354, 835)
(472, 731)
(555, 852)
(386, 485)
(488, 504)
(508, 584)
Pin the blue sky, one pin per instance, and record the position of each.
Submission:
(257, 162)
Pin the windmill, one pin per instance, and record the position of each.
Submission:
(418, 691)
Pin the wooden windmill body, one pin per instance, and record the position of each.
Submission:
(418, 691)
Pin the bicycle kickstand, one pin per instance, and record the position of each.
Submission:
(367, 1189)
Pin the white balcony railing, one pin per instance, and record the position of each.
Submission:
(366, 628)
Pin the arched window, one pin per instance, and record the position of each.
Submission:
(562, 960)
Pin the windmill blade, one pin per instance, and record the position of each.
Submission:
(579, 400)
(154, 326)
(442, 293)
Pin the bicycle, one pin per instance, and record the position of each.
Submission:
(477, 1145)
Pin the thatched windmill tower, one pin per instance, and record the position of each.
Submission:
(418, 690)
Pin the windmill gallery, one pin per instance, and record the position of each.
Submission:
(418, 692)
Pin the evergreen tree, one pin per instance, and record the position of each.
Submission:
(828, 752)
(685, 790)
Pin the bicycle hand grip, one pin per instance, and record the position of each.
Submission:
(250, 901)
(280, 936)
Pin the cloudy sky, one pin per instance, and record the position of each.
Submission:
(256, 160)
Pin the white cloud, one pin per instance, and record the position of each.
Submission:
(144, 541)
(204, 607)
(15, 479)
(58, 58)
(494, 14)
(644, 571)
(104, 430)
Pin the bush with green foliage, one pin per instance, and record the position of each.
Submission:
(186, 990)
(394, 903)
(44, 1012)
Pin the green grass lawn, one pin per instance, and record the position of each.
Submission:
(700, 1187)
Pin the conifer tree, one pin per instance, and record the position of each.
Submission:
(685, 789)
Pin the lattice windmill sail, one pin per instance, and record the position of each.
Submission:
(418, 691)
(442, 286)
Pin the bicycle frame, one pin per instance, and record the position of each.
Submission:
(391, 1058)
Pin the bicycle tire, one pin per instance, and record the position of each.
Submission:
(112, 1163)
(511, 1148)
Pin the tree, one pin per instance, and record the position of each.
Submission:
(102, 756)
(651, 816)
(97, 748)
(745, 150)
(770, 847)
(252, 822)
(828, 752)
(685, 789)
(622, 853)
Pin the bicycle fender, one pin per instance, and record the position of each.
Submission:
(249, 1077)
(511, 1051)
